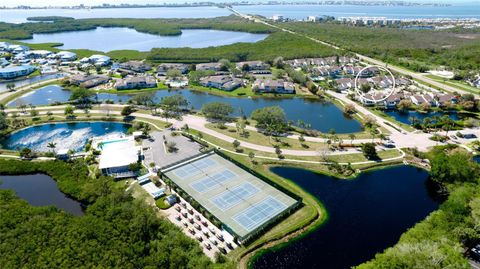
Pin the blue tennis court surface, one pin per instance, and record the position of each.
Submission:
(213, 181)
(194, 168)
(234, 196)
(241, 201)
(259, 213)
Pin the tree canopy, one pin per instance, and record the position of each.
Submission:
(217, 110)
(271, 119)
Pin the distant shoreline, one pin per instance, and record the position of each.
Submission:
(222, 5)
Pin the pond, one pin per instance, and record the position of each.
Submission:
(28, 81)
(72, 135)
(365, 216)
(322, 116)
(119, 38)
(404, 117)
(40, 190)
(44, 96)
(21, 15)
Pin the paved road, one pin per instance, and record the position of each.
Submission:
(419, 140)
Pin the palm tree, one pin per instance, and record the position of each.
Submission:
(352, 137)
(413, 120)
(52, 145)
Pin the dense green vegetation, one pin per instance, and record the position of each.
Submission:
(151, 26)
(418, 50)
(116, 231)
(439, 240)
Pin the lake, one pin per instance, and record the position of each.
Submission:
(120, 38)
(40, 190)
(404, 117)
(21, 15)
(300, 12)
(27, 81)
(66, 135)
(322, 116)
(365, 216)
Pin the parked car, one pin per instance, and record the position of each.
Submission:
(208, 246)
(213, 241)
(199, 238)
(475, 252)
(197, 226)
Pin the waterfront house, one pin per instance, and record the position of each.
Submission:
(88, 81)
(423, 99)
(226, 83)
(4, 46)
(372, 99)
(14, 71)
(273, 86)
(136, 66)
(444, 99)
(393, 100)
(136, 83)
(163, 68)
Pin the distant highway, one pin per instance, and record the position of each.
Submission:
(417, 76)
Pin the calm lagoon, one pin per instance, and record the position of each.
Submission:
(40, 190)
(27, 81)
(322, 116)
(365, 216)
(120, 38)
(21, 15)
(72, 135)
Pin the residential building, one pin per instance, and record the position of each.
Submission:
(88, 81)
(354, 71)
(3, 62)
(444, 99)
(136, 66)
(136, 83)
(98, 60)
(162, 69)
(15, 49)
(345, 83)
(11, 72)
(252, 65)
(332, 71)
(393, 100)
(66, 56)
(36, 54)
(273, 86)
(226, 83)
(208, 67)
(423, 99)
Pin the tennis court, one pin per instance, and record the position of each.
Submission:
(241, 201)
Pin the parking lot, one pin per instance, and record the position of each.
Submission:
(155, 150)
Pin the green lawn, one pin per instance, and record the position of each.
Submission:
(461, 85)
